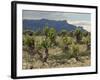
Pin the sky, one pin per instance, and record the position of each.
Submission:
(78, 19)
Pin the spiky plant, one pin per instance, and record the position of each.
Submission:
(75, 51)
(50, 34)
(87, 41)
(45, 45)
(66, 42)
(63, 32)
(78, 35)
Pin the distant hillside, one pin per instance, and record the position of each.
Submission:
(40, 24)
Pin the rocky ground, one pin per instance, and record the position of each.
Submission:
(72, 62)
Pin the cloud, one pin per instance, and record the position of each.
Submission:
(85, 24)
(53, 15)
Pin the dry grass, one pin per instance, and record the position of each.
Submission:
(56, 59)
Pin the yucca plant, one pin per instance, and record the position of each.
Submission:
(29, 41)
(75, 51)
(87, 41)
(63, 32)
(50, 34)
(45, 45)
(66, 42)
(45, 31)
(78, 35)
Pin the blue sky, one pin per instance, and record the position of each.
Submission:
(78, 19)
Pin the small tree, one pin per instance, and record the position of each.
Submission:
(71, 33)
(29, 41)
(66, 42)
(78, 35)
(45, 31)
(75, 51)
(28, 32)
(63, 32)
(85, 33)
(50, 34)
(87, 41)
(45, 45)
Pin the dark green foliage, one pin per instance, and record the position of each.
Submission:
(78, 35)
(87, 41)
(29, 41)
(66, 42)
(45, 31)
(75, 50)
(63, 32)
(71, 34)
(45, 43)
(50, 34)
(28, 32)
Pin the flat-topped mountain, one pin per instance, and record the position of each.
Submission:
(40, 24)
